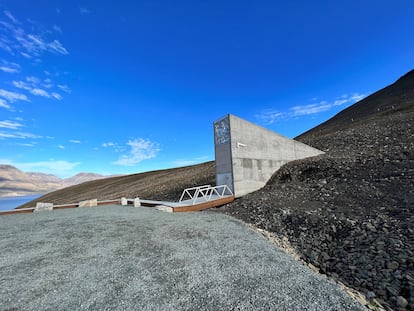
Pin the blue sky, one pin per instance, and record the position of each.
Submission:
(117, 87)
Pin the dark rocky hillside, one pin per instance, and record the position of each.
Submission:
(156, 185)
(350, 212)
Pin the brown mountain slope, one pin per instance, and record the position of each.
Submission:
(83, 177)
(15, 182)
(350, 212)
(156, 185)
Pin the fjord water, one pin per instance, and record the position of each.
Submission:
(9, 203)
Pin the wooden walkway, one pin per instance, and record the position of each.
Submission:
(184, 206)
(190, 205)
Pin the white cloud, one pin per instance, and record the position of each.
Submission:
(21, 85)
(4, 104)
(108, 144)
(12, 96)
(5, 45)
(186, 162)
(9, 67)
(26, 144)
(57, 28)
(40, 92)
(84, 11)
(56, 46)
(34, 89)
(56, 96)
(36, 42)
(310, 109)
(61, 147)
(141, 149)
(356, 97)
(19, 135)
(11, 17)
(10, 124)
(64, 88)
(74, 141)
(116, 147)
(16, 40)
(33, 80)
(269, 116)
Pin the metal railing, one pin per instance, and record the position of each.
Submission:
(205, 192)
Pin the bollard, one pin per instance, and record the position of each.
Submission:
(89, 203)
(43, 207)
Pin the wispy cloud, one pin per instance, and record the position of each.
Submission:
(40, 92)
(84, 10)
(310, 109)
(9, 67)
(56, 96)
(74, 141)
(12, 96)
(57, 47)
(15, 40)
(61, 147)
(30, 40)
(269, 116)
(32, 86)
(108, 144)
(18, 135)
(13, 125)
(140, 150)
(185, 162)
(11, 17)
(64, 88)
(57, 28)
(4, 104)
(26, 144)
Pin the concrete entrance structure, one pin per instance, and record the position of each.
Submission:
(247, 155)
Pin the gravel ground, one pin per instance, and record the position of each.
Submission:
(124, 258)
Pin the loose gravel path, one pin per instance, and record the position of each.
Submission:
(125, 258)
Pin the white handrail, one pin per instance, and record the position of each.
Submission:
(205, 192)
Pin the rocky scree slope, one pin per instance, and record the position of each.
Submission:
(350, 212)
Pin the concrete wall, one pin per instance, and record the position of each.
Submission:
(247, 155)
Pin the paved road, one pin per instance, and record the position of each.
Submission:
(125, 258)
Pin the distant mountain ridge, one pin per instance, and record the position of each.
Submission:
(14, 182)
